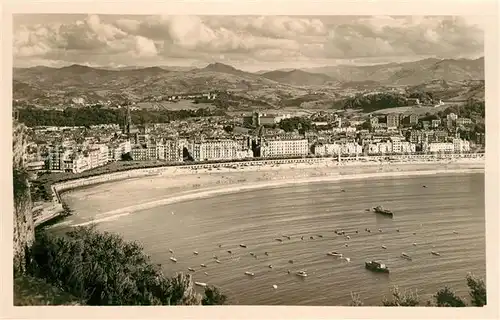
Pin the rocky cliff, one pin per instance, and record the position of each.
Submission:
(24, 230)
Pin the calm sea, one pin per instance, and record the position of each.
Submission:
(447, 216)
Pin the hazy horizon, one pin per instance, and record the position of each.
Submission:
(249, 43)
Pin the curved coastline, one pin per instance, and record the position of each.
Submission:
(211, 191)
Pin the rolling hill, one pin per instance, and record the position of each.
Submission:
(449, 79)
(298, 78)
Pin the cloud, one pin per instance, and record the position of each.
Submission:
(158, 39)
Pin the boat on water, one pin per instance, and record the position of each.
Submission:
(383, 211)
(405, 256)
(248, 273)
(435, 253)
(376, 266)
(278, 239)
(335, 254)
(203, 265)
(302, 274)
(346, 259)
(201, 284)
(384, 247)
(218, 261)
(191, 269)
(243, 245)
(173, 259)
(195, 252)
(171, 251)
(270, 266)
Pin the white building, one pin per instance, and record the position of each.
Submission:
(438, 147)
(215, 150)
(284, 148)
(334, 149)
(460, 145)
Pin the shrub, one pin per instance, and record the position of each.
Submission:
(447, 298)
(103, 269)
(477, 290)
(407, 298)
(213, 297)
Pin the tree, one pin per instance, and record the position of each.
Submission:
(406, 299)
(126, 157)
(477, 290)
(213, 297)
(355, 300)
(447, 298)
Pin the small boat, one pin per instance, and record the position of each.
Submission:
(424, 186)
(191, 269)
(302, 238)
(455, 232)
(435, 253)
(384, 247)
(266, 253)
(201, 284)
(376, 266)
(367, 209)
(243, 245)
(248, 273)
(195, 252)
(288, 237)
(311, 237)
(335, 254)
(229, 251)
(414, 233)
(203, 265)
(205, 273)
(218, 261)
(346, 245)
(278, 239)
(288, 271)
(270, 266)
(302, 274)
(348, 237)
(397, 230)
(405, 256)
(215, 257)
(220, 245)
(346, 259)
(252, 254)
(415, 244)
(171, 251)
(275, 286)
(381, 210)
(319, 235)
(290, 261)
(342, 190)
(379, 230)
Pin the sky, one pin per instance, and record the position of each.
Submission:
(250, 43)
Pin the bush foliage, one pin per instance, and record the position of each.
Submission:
(101, 268)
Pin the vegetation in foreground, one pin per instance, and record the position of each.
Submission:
(100, 268)
(445, 297)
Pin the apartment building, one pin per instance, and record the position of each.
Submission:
(214, 150)
(460, 145)
(392, 120)
(441, 147)
(463, 121)
(284, 148)
(141, 153)
(435, 123)
(338, 148)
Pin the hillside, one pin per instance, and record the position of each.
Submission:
(298, 77)
(77, 84)
(408, 73)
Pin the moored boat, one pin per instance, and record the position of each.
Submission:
(191, 269)
(383, 211)
(376, 266)
(335, 254)
(248, 273)
(302, 274)
(435, 253)
(243, 245)
(405, 256)
(173, 259)
(201, 284)
(203, 265)
(195, 252)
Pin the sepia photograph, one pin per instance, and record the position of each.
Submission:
(249, 160)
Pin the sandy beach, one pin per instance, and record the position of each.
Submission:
(179, 184)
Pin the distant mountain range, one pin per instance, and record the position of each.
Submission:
(60, 85)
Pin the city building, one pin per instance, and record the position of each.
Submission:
(286, 147)
(463, 121)
(210, 150)
(392, 120)
(441, 147)
(460, 145)
(435, 123)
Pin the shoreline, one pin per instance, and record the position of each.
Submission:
(214, 188)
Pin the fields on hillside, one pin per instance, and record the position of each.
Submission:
(181, 105)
